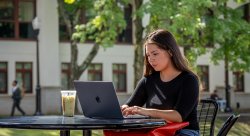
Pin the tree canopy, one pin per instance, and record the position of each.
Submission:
(198, 24)
(230, 33)
(105, 22)
(184, 18)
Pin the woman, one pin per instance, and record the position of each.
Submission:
(169, 89)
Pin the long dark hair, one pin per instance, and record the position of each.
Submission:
(166, 41)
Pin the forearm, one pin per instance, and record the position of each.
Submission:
(168, 115)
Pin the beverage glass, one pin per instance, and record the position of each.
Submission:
(68, 102)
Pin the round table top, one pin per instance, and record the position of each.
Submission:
(77, 122)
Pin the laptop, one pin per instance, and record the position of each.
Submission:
(98, 100)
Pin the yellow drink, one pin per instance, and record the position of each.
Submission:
(68, 103)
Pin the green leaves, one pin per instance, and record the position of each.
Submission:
(184, 18)
(231, 33)
(69, 1)
(194, 23)
(199, 23)
(105, 26)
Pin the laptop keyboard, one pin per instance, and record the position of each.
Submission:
(137, 116)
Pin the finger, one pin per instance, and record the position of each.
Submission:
(135, 109)
(127, 111)
(123, 107)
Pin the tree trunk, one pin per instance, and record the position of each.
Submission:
(88, 59)
(137, 42)
(227, 87)
(226, 55)
(78, 70)
(73, 63)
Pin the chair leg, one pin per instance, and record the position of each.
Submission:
(86, 132)
(64, 132)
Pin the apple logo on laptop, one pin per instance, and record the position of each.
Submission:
(98, 99)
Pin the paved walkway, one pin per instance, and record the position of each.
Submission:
(228, 114)
(244, 116)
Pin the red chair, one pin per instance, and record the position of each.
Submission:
(168, 130)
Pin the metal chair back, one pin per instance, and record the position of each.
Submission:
(228, 125)
(207, 110)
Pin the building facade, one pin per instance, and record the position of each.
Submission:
(18, 60)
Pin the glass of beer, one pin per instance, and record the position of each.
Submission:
(68, 102)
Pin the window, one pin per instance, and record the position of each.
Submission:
(63, 33)
(24, 75)
(65, 76)
(95, 72)
(126, 35)
(238, 81)
(3, 77)
(16, 19)
(246, 10)
(203, 73)
(119, 77)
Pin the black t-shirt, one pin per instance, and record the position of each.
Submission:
(180, 94)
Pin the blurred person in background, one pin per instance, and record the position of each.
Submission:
(16, 96)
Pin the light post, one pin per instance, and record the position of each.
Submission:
(36, 28)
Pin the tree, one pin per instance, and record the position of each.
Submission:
(138, 39)
(198, 24)
(230, 33)
(102, 28)
(183, 18)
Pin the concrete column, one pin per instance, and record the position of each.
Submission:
(49, 43)
(49, 54)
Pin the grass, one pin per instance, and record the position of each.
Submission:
(241, 128)
(25, 132)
